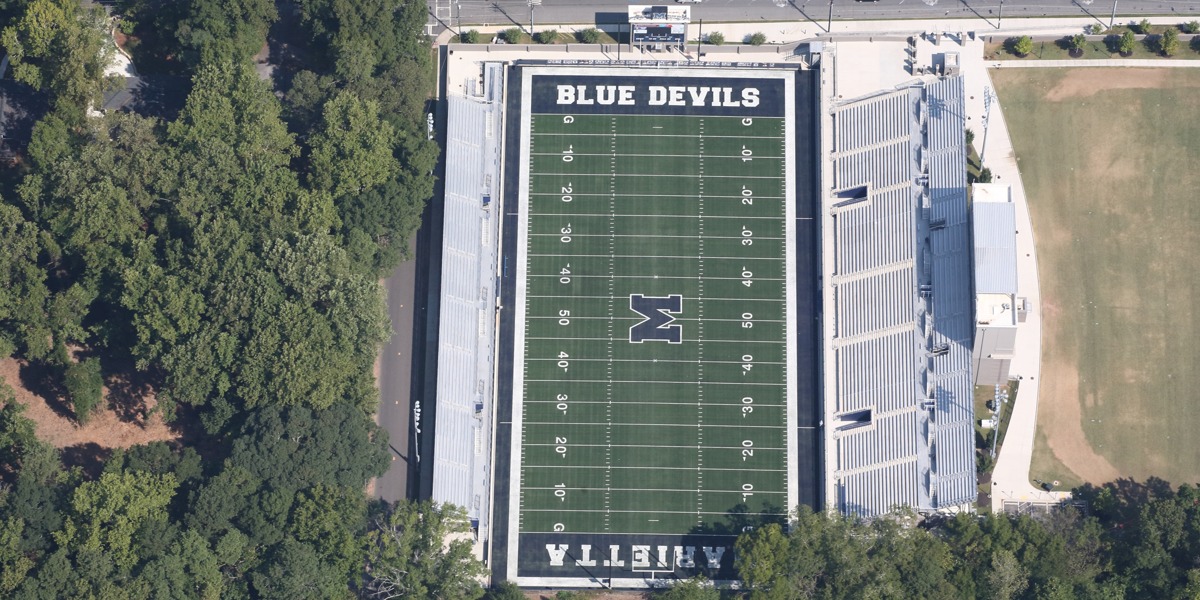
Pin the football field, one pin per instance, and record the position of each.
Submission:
(653, 383)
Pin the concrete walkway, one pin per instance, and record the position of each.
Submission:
(783, 32)
(1145, 63)
(1010, 477)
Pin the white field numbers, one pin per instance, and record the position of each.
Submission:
(747, 318)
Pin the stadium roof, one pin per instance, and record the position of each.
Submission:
(995, 240)
(899, 406)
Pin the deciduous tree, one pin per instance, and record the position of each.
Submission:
(421, 550)
(105, 514)
(85, 386)
(224, 31)
(59, 47)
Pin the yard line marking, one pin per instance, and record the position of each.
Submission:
(649, 512)
(776, 342)
(656, 468)
(657, 195)
(677, 319)
(661, 135)
(679, 403)
(653, 425)
(612, 174)
(656, 382)
(654, 216)
(647, 257)
(585, 154)
(764, 449)
(664, 360)
(556, 276)
(708, 299)
(592, 489)
(644, 236)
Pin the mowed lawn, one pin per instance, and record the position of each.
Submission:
(1110, 159)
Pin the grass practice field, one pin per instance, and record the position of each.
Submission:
(1108, 159)
(642, 229)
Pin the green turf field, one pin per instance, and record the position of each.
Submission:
(653, 437)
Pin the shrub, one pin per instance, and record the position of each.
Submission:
(1021, 46)
(1143, 26)
(1097, 28)
(470, 36)
(984, 462)
(970, 137)
(1077, 42)
(1125, 43)
(756, 39)
(985, 175)
(715, 38)
(1168, 42)
(512, 35)
(1191, 27)
(84, 385)
(546, 36)
(126, 25)
(590, 35)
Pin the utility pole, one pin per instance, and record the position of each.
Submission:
(1000, 19)
(532, 4)
(699, 39)
(1113, 18)
(829, 27)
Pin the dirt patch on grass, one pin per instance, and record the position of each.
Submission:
(111, 427)
(1061, 416)
(1082, 83)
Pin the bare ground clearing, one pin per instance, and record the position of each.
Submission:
(111, 427)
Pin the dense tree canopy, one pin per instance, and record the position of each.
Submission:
(230, 251)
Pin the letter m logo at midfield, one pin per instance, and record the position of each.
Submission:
(656, 322)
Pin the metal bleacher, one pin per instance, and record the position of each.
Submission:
(466, 331)
(901, 294)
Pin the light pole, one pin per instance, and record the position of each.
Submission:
(829, 27)
(1000, 19)
(1113, 18)
(988, 97)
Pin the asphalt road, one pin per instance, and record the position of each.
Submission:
(395, 379)
(517, 12)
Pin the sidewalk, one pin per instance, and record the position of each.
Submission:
(1010, 477)
(782, 32)
(1151, 63)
